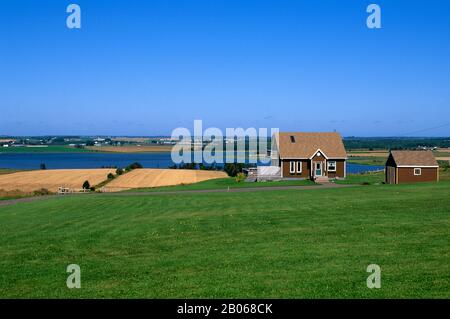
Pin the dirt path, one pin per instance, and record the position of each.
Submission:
(234, 190)
(9, 202)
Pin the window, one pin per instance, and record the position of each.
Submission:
(292, 167)
(292, 139)
(299, 167)
(332, 166)
(417, 171)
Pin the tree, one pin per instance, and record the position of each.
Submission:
(134, 165)
(119, 171)
(42, 166)
(110, 176)
(86, 185)
(240, 177)
(232, 169)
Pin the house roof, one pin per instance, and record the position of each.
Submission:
(305, 145)
(414, 158)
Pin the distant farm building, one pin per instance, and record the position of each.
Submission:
(411, 167)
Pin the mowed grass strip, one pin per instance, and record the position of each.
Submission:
(224, 183)
(290, 243)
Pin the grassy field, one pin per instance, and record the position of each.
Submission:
(8, 171)
(4, 195)
(49, 149)
(368, 178)
(132, 149)
(368, 160)
(290, 243)
(224, 183)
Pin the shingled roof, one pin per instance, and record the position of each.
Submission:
(414, 158)
(305, 145)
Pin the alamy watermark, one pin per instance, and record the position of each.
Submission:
(74, 279)
(374, 19)
(211, 145)
(374, 279)
(73, 21)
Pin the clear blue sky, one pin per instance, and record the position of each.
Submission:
(147, 67)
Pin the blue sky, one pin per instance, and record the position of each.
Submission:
(147, 67)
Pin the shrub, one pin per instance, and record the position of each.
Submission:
(240, 177)
(134, 165)
(92, 188)
(42, 166)
(232, 169)
(110, 176)
(119, 171)
(444, 164)
(86, 185)
(42, 192)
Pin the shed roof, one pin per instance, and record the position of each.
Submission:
(305, 145)
(414, 158)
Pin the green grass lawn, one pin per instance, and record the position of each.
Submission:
(288, 243)
(49, 149)
(444, 174)
(365, 178)
(224, 183)
(442, 154)
(8, 171)
(368, 160)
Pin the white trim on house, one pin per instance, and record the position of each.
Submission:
(306, 158)
(335, 166)
(345, 169)
(418, 166)
(314, 166)
(321, 153)
(297, 165)
(292, 167)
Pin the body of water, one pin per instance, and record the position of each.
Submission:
(98, 160)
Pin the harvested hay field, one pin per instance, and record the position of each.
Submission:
(52, 179)
(132, 148)
(144, 178)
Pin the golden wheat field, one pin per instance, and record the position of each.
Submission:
(141, 178)
(52, 179)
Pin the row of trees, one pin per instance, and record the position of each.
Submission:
(111, 176)
(232, 169)
(396, 143)
(201, 166)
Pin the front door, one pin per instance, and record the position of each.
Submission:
(318, 168)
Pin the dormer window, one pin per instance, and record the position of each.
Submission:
(292, 139)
